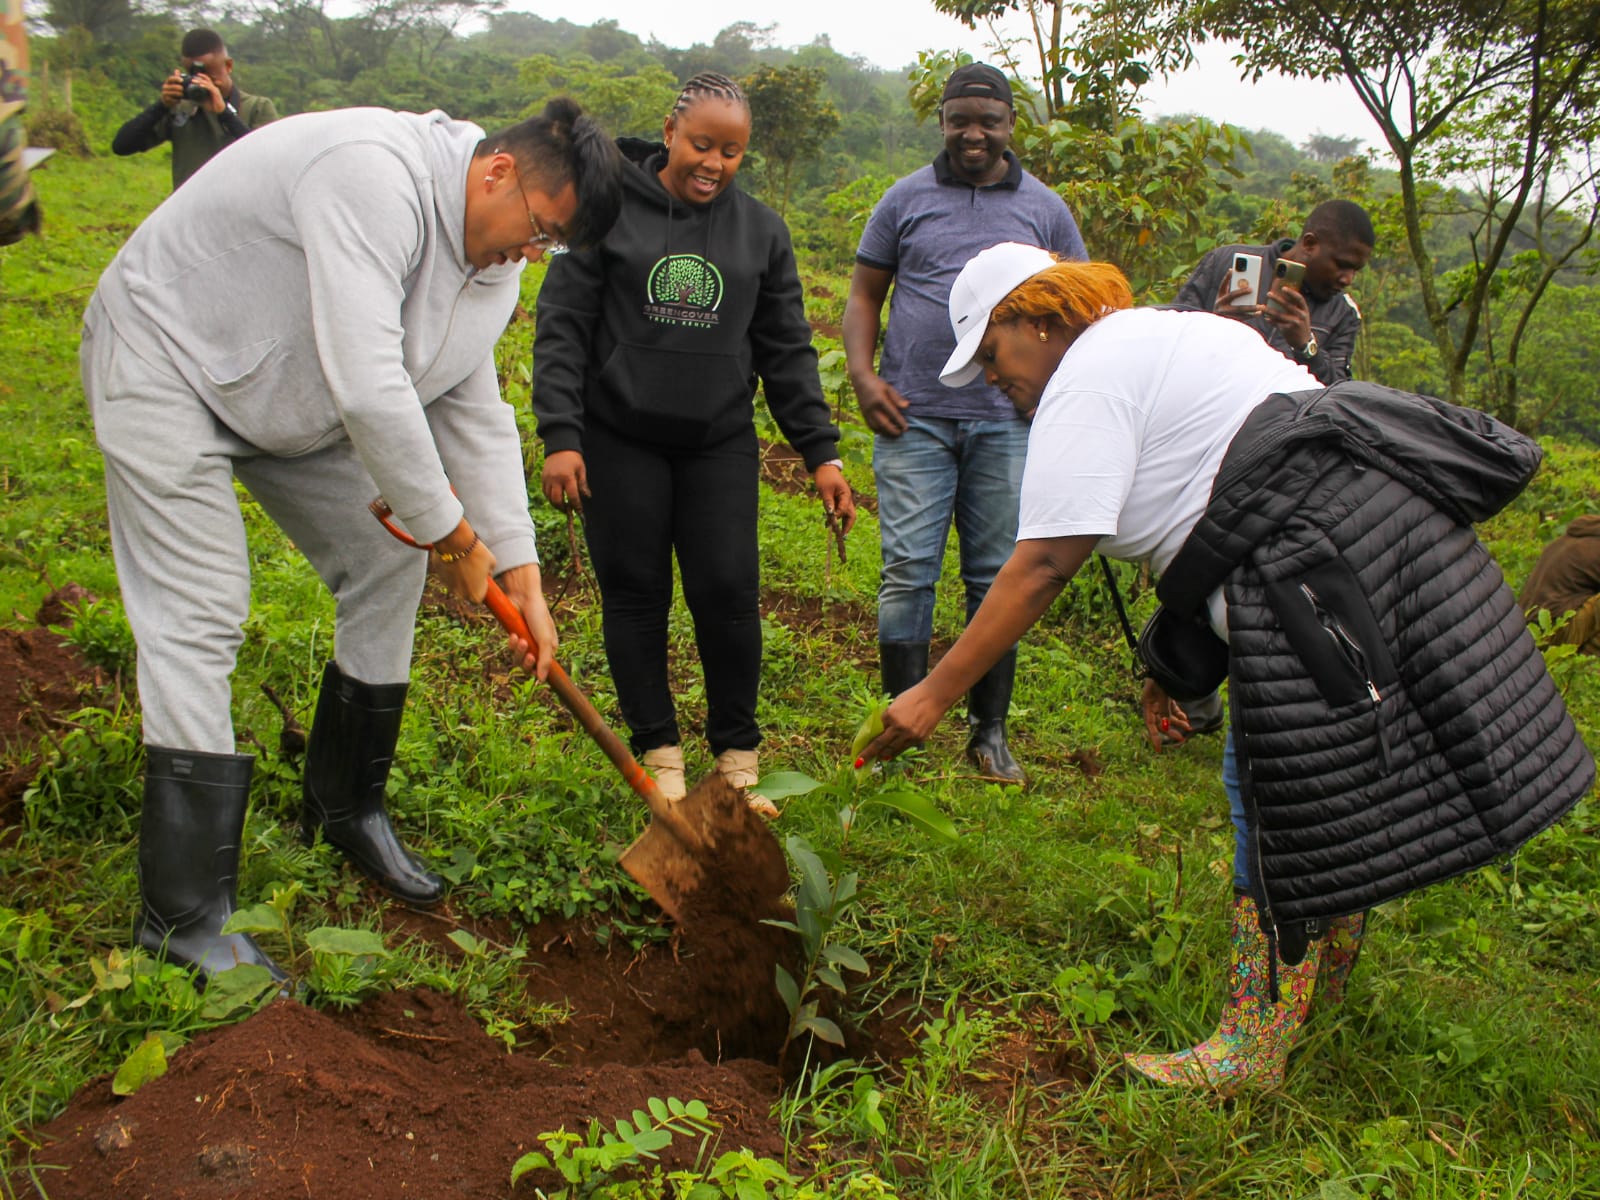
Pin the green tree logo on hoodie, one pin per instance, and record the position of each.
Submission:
(684, 288)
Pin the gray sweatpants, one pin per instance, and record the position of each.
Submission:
(178, 538)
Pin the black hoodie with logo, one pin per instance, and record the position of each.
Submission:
(662, 330)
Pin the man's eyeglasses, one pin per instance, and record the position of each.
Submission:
(549, 244)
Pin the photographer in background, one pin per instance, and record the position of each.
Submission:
(201, 109)
(1314, 324)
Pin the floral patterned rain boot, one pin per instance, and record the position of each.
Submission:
(1340, 948)
(1255, 1035)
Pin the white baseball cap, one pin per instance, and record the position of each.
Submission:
(987, 279)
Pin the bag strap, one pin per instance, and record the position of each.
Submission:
(1122, 612)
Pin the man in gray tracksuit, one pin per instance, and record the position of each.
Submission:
(317, 322)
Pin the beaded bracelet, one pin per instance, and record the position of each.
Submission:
(447, 556)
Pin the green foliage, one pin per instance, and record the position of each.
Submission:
(100, 631)
(58, 129)
(820, 903)
(790, 119)
(587, 1162)
(625, 97)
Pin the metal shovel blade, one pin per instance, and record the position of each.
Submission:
(715, 856)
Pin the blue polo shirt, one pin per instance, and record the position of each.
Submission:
(925, 229)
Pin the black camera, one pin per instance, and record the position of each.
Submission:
(196, 92)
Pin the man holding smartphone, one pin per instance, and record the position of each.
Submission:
(1313, 321)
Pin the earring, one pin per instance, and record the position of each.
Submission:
(1043, 336)
(488, 178)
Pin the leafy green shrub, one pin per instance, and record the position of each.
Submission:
(101, 634)
(58, 129)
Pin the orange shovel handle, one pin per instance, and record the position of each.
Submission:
(571, 697)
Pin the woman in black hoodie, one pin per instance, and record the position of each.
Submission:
(647, 353)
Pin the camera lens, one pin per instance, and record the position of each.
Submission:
(1239, 264)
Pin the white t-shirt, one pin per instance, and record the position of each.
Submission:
(1132, 427)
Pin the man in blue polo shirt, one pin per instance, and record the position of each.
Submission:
(945, 452)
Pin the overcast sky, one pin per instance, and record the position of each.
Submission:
(890, 32)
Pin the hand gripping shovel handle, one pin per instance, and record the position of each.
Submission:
(575, 702)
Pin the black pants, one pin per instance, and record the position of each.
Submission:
(648, 502)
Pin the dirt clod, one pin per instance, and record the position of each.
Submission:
(113, 1136)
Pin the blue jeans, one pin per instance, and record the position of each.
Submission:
(1230, 784)
(938, 469)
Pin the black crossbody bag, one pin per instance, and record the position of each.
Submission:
(1185, 657)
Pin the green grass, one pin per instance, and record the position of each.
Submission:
(1082, 916)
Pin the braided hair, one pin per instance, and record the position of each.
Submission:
(712, 84)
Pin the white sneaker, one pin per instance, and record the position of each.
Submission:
(665, 764)
(741, 769)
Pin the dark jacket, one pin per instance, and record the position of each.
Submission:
(196, 133)
(661, 331)
(1394, 721)
(1335, 322)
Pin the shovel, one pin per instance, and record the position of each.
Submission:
(704, 852)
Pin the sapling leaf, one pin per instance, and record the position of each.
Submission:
(780, 785)
(240, 986)
(823, 1028)
(788, 989)
(844, 956)
(919, 810)
(467, 943)
(870, 728)
(844, 890)
(148, 1061)
(648, 1141)
(777, 924)
(832, 978)
(814, 889)
(531, 1161)
(810, 926)
(659, 1110)
(334, 939)
(257, 918)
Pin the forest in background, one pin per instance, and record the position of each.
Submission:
(1483, 288)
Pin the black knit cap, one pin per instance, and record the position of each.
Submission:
(977, 79)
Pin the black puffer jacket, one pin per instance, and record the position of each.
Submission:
(1394, 721)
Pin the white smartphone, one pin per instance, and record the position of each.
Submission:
(1246, 267)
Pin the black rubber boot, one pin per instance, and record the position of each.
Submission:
(347, 765)
(904, 665)
(189, 860)
(987, 705)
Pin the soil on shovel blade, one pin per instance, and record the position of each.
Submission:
(407, 1095)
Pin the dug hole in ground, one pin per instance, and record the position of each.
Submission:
(407, 1094)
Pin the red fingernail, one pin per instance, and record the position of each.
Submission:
(1164, 724)
(860, 762)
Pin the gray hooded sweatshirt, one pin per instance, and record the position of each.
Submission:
(311, 284)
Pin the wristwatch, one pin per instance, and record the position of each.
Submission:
(1309, 350)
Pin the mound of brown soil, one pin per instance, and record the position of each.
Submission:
(42, 677)
(405, 1096)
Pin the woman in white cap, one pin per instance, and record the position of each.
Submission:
(1393, 723)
